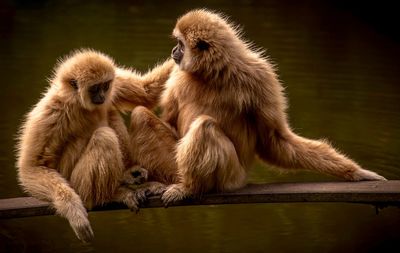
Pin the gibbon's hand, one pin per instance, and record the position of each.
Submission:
(134, 198)
(81, 226)
(155, 188)
(173, 194)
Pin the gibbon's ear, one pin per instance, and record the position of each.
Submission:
(202, 45)
(74, 83)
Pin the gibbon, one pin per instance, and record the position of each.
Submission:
(222, 105)
(74, 149)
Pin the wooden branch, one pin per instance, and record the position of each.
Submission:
(378, 193)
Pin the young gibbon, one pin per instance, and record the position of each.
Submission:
(222, 105)
(74, 148)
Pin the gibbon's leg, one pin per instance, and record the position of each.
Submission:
(288, 150)
(48, 184)
(207, 160)
(97, 173)
(153, 145)
(134, 175)
(116, 122)
(97, 176)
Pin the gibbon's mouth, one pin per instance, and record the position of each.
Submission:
(177, 60)
(98, 102)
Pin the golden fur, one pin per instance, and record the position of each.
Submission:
(75, 153)
(222, 105)
(152, 150)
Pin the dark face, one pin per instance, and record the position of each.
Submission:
(178, 52)
(97, 92)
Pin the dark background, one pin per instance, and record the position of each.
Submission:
(338, 61)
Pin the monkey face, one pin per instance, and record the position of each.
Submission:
(190, 54)
(97, 92)
(86, 77)
(92, 95)
(178, 52)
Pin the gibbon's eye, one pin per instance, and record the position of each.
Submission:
(202, 45)
(106, 85)
(94, 89)
(180, 44)
(74, 83)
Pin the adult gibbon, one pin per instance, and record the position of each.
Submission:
(222, 105)
(74, 148)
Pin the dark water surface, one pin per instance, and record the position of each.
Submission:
(338, 63)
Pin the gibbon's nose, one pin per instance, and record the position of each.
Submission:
(174, 50)
(176, 55)
(98, 100)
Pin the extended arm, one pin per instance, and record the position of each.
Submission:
(48, 184)
(133, 89)
(278, 145)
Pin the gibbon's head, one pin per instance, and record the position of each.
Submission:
(88, 76)
(206, 42)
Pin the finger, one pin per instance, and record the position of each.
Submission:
(84, 233)
(88, 234)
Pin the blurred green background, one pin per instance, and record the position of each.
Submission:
(337, 60)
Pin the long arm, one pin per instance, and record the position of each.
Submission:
(47, 184)
(133, 89)
(278, 145)
(38, 148)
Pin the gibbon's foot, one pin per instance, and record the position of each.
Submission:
(135, 175)
(132, 197)
(154, 188)
(366, 175)
(174, 193)
(82, 229)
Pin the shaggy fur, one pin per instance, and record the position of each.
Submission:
(151, 149)
(226, 104)
(72, 151)
(135, 89)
